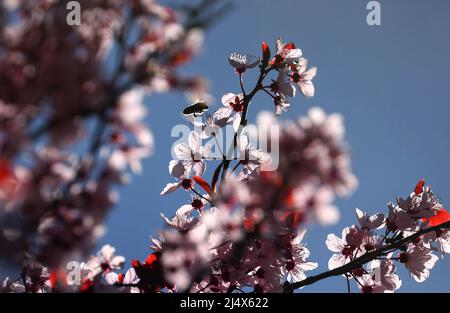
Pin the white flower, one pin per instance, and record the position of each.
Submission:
(184, 255)
(193, 154)
(384, 272)
(330, 125)
(211, 124)
(421, 205)
(320, 200)
(281, 105)
(441, 238)
(419, 260)
(241, 62)
(143, 135)
(287, 53)
(345, 252)
(283, 89)
(248, 156)
(303, 78)
(295, 269)
(130, 108)
(233, 105)
(128, 156)
(368, 284)
(183, 219)
(130, 278)
(398, 219)
(177, 273)
(325, 211)
(371, 222)
(282, 86)
(105, 261)
(443, 241)
(178, 170)
(223, 224)
(233, 193)
(12, 286)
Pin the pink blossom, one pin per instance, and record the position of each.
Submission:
(419, 260)
(241, 62)
(287, 53)
(193, 155)
(303, 78)
(344, 251)
(105, 261)
(296, 267)
(371, 222)
(232, 108)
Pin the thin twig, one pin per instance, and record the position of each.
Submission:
(246, 102)
(198, 194)
(241, 83)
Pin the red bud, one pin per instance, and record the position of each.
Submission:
(120, 278)
(135, 263)
(202, 183)
(152, 258)
(265, 53)
(419, 187)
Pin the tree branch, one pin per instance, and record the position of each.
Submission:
(246, 103)
(357, 263)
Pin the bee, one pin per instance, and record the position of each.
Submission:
(196, 109)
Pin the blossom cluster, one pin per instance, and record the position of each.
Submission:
(243, 231)
(72, 109)
(242, 227)
(389, 235)
(246, 232)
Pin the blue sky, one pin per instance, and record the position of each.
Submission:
(390, 82)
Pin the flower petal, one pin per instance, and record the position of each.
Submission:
(170, 187)
(334, 243)
(176, 169)
(182, 151)
(194, 141)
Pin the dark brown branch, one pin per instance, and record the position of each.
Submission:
(246, 103)
(357, 263)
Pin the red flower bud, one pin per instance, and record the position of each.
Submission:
(265, 53)
(151, 259)
(202, 183)
(419, 187)
(135, 263)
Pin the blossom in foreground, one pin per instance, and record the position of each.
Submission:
(295, 269)
(420, 210)
(67, 141)
(419, 260)
(344, 252)
(105, 261)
